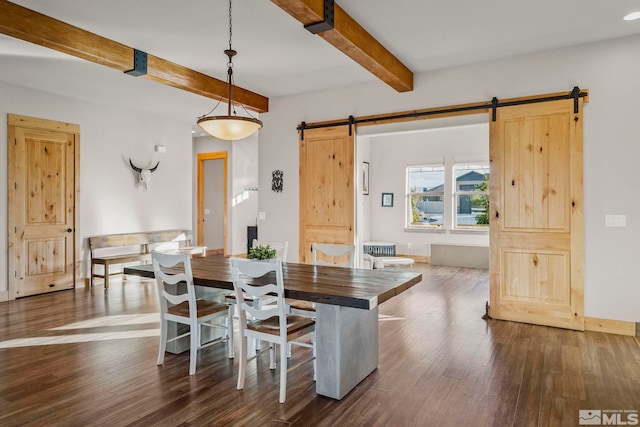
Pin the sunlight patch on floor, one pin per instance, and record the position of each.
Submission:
(386, 318)
(78, 338)
(116, 320)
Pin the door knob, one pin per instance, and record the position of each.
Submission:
(69, 230)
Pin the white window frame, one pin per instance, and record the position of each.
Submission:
(442, 194)
(456, 193)
(449, 195)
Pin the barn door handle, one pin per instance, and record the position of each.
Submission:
(69, 230)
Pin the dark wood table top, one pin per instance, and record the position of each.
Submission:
(357, 288)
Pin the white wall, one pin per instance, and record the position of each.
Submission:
(391, 154)
(611, 151)
(110, 201)
(245, 174)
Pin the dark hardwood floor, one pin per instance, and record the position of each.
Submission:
(86, 358)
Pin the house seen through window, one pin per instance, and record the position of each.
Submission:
(430, 199)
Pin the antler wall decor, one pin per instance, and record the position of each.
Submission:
(144, 175)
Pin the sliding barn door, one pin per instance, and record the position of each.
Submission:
(536, 231)
(327, 193)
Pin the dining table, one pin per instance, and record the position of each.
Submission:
(346, 301)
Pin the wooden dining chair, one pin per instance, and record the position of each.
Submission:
(178, 303)
(271, 323)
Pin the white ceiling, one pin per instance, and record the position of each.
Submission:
(277, 56)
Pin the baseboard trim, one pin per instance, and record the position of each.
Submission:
(4, 296)
(416, 258)
(618, 327)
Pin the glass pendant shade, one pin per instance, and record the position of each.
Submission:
(229, 128)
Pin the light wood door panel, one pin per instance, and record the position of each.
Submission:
(327, 213)
(536, 234)
(42, 184)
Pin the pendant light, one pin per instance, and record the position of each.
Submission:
(229, 127)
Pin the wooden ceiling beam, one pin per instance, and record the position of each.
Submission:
(25, 24)
(354, 41)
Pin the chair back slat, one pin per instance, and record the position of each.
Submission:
(263, 313)
(175, 299)
(253, 278)
(334, 255)
(168, 276)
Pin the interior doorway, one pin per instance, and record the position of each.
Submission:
(43, 185)
(212, 201)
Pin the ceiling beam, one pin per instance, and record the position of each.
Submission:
(354, 41)
(25, 24)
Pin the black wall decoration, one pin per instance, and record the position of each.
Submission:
(277, 180)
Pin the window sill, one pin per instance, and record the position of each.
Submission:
(442, 230)
(475, 231)
(435, 230)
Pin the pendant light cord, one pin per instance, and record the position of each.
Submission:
(230, 106)
(230, 53)
(230, 32)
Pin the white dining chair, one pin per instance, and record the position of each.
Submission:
(178, 303)
(271, 323)
(333, 254)
(282, 249)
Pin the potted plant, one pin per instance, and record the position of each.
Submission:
(261, 252)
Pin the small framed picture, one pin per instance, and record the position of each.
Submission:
(365, 178)
(387, 200)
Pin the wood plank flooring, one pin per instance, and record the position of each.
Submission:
(88, 358)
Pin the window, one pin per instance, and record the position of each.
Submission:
(450, 195)
(471, 195)
(425, 196)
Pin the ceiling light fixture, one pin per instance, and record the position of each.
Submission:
(229, 127)
(632, 16)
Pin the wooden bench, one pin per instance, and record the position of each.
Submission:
(116, 249)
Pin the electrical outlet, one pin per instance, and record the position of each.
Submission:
(409, 245)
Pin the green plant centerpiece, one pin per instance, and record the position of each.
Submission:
(262, 252)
